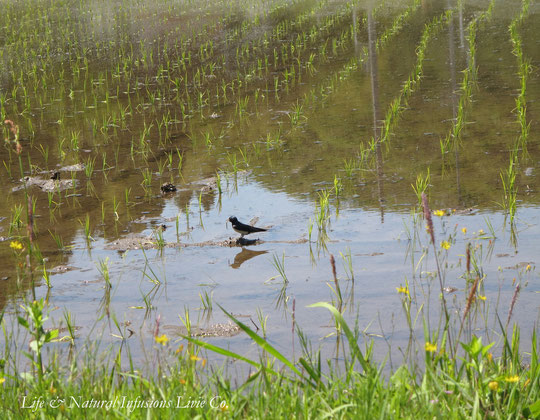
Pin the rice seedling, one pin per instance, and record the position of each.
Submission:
(273, 140)
(59, 242)
(161, 166)
(297, 114)
(338, 186)
(508, 178)
(70, 326)
(421, 185)
(103, 212)
(279, 265)
(89, 166)
(147, 177)
(310, 229)
(218, 183)
(127, 193)
(206, 300)
(180, 161)
(347, 264)
(45, 153)
(323, 210)
(159, 240)
(103, 268)
(349, 166)
(46, 277)
(233, 162)
(74, 141)
(186, 321)
(16, 217)
(116, 205)
(86, 226)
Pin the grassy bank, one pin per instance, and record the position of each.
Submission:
(474, 385)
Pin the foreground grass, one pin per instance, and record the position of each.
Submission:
(474, 385)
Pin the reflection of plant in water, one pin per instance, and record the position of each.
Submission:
(467, 85)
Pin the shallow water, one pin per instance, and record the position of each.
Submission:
(120, 94)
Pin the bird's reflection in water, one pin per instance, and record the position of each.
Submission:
(244, 255)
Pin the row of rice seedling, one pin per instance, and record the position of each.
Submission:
(508, 175)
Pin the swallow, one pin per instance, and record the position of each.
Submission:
(242, 228)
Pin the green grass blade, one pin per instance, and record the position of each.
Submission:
(225, 352)
(264, 344)
(350, 336)
(316, 376)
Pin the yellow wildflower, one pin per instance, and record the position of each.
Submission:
(162, 339)
(194, 358)
(404, 290)
(182, 381)
(203, 362)
(180, 348)
(224, 408)
(528, 268)
(513, 378)
(481, 232)
(431, 347)
(16, 245)
(493, 385)
(2, 380)
(481, 297)
(439, 213)
(490, 357)
(464, 230)
(445, 245)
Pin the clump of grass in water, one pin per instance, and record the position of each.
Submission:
(508, 178)
(279, 264)
(159, 240)
(349, 165)
(273, 140)
(206, 300)
(421, 186)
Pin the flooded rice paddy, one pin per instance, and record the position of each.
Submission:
(323, 120)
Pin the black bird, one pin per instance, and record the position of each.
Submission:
(242, 228)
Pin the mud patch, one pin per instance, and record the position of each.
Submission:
(214, 330)
(46, 185)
